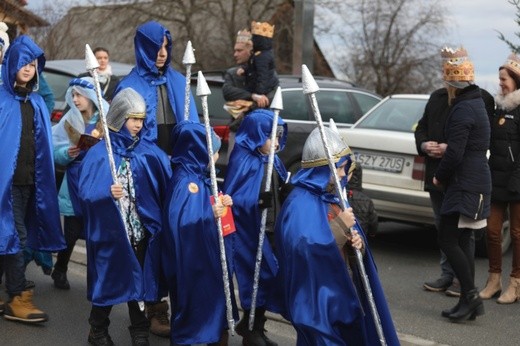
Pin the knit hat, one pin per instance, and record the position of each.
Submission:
(513, 64)
(4, 36)
(458, 70)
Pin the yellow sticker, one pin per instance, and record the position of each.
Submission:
(194, 188)
(501, 121)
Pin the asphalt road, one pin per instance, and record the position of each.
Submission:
(406, 256)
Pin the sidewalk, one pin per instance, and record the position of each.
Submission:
(80, 256)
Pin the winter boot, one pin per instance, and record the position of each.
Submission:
(470, 307)
(446, 313)
(157, 314)
(512, 293)
(60, 280)
(493, 286)
(223, 340)
(255, 337)
(21, 308)
(139, 336)
(99, 336)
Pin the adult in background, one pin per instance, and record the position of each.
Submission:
(107, 80)
(463, 173)
(430, 140)
(504, 162)
(239, 101)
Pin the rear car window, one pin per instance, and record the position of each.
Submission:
(215, 102)
(365, 101)
(395, 115)
(294, 105)
(58, 83)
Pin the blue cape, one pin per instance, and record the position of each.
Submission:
(191, 246)
(145, 77)
(325, 306)
(43, 218)
(113, 272)
(244, 183)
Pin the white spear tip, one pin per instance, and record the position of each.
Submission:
(309, 84)
(332, 125)
(189, 56)
(90, 59)
(202, 85)
(277, 102)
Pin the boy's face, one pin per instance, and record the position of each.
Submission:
(264, 149)
(134, 125)
(162, 54)
(26, 74)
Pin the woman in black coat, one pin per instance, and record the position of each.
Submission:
(464, 174)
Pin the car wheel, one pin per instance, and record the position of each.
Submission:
(481, 241)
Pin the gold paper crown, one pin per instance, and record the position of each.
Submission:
(243, 36)
(262, 29)
(513, 64)
(457, 67)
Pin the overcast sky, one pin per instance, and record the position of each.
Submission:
(475, 24)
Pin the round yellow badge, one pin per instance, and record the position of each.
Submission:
(193, 188)
(501, 121)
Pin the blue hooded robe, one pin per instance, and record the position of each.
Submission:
(325, 306)
(191, 250)
(145, 77)
(114, 274)
(244, 182)
(43, 218)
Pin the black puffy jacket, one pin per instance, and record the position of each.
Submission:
(504, 160)
(464, 170)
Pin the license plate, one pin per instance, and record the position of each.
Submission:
(385, 163)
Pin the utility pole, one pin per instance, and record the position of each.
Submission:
(303, 40)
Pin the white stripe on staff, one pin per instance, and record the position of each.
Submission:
(187, 60)
(203, 91)
(277, 106)
(310, 87)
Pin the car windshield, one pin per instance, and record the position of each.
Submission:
(394, 114)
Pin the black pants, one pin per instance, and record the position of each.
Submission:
(455, 242)
(99, 315)
(73, 229)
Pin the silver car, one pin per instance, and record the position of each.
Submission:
(384, 145)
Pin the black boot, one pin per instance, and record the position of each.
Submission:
(446, 313)
(98, 336)
(139, 336)
(255, 337)
(470, 307)
(60, 279)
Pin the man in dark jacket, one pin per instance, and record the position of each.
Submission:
(431, 143)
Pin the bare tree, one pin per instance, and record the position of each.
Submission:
(390, 46)
(514, 47)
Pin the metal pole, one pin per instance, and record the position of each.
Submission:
(277, 105)
(203, 91)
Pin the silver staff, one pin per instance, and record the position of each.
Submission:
(277, 106)
(187, 60)
(310, 88)
(203, 91)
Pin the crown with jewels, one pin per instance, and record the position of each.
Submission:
(244, 36)
(457, 67)
(513, 63)
(262, 29)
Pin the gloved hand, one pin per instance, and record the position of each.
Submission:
(265, 200)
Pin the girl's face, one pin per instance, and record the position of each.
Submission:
(162, 54)
(134, 125)
(26, 74)
(102, 58)
(506, 83)
(83, 104)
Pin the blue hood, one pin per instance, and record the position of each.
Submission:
(148, 40)
(256, 129)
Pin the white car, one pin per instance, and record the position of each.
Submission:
(383, 142)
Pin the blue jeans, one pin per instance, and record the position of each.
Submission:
(436, 197)
(14, 265)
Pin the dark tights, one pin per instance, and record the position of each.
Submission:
(455, 243)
